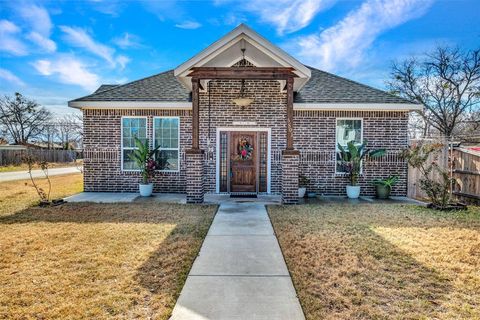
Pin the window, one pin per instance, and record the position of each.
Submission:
(347, 130)
(166, 132)
(132, 128)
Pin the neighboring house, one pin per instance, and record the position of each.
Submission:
(212, 144)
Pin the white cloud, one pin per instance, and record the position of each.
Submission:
(345, 44)
(10, 77)
(9, 34)
(286, 15)
(68, 70)
(122, 61)
(38, 20)
(43, 42)
(37, 17)
(188, 25)
(128, 40)
(80, 38)
(289, 16)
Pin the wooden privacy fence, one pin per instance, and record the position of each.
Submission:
(464, 167)
(466, 171)
(14, 157)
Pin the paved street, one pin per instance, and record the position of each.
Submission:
(22, 175)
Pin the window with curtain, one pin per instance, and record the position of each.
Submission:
(167, 137)
(347, 130)
(132, 128)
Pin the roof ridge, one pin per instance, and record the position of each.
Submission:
(123, 85)
(361, 84)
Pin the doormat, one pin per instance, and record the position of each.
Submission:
(243, 195)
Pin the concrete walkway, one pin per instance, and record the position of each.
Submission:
(23, 175)
(240, 272)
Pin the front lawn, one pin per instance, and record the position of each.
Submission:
(20, 194)
(377, 261)
(97, 261)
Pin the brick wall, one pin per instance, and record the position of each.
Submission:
(102, 156)
(314, 137)
(268, 111)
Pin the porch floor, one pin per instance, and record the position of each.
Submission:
(211, 198)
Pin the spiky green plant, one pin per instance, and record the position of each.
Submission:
(144, 158)
(352, 156)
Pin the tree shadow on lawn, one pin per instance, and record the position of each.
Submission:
(162, 273)
(344, 269)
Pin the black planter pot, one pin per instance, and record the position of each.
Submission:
(382, 191)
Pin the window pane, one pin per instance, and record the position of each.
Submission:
(349, 130)
(132, 128)
(166, 134)
(340, 168)
(128, 164)
(167, 159)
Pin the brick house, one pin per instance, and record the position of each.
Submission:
(242, 116)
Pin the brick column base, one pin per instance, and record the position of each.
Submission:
(194, 176)
(290, 164)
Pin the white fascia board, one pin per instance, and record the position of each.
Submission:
(359, 106)
(174, 105)
(232, 37)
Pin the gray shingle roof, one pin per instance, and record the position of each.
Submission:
(323, 87)
(160, 87)
(105, 87)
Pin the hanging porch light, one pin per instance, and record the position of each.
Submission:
(242, 100)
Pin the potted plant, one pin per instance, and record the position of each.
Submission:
(383, 187)
(143, 157)
(351, 158)
(303, 182)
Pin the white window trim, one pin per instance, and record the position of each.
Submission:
(130, 148)
(336, 142)
(176, 149)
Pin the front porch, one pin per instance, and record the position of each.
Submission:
(242, 174)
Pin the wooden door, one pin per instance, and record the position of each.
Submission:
(243, 162)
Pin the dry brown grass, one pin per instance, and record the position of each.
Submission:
(98, 261)
(15, 195)
(377, 261)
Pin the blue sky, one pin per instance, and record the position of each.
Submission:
(54, 51)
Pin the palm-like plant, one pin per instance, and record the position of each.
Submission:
(143, 157)
(351, 158)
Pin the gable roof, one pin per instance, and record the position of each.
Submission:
(227, 50)
(322, 88)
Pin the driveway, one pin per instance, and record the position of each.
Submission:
(23, 175)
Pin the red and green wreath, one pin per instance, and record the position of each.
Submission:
(245, 149)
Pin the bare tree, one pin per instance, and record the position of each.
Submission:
(69, 130)
(23, 119)
(446, 82)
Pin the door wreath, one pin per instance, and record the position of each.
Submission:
(245, 149)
